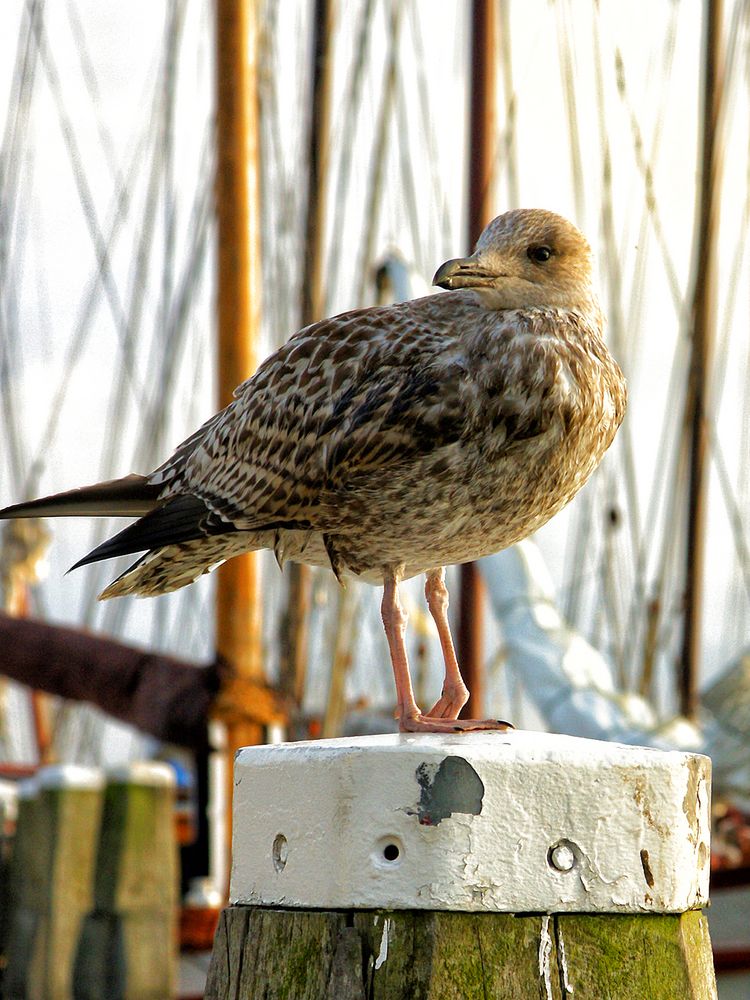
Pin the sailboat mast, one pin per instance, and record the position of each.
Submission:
(238, 289)
(294, 631)
(481, 166)
(238, 281)
(313, 296)
(703, 316)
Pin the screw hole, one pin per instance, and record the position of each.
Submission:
(279, 852)
(387, 853)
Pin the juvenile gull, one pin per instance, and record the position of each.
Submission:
(392, 441)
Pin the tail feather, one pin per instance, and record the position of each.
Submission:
(131, 496)
(164, 570)
(180, 537)
(182, 519)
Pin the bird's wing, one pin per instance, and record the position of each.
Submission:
(358, 394)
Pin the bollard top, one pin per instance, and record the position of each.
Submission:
(56, 776)
(504, 822)
(516, 744)
(153, 773)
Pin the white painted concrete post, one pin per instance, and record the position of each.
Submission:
(515, 822)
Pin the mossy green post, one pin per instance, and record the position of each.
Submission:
(434, 955)
(51, 882)
(128, 944)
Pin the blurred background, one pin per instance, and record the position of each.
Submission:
(629, 119)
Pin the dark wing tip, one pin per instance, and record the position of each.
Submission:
(180, 519)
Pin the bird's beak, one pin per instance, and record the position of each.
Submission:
(463, 272)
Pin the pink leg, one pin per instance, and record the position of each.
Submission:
(410, 717)
(394, 622)
(455, 694)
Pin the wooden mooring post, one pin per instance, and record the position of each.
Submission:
(507, 865)
(89, 907)
(50, 880)
(127, 947)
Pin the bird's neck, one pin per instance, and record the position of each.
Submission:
(523, 295)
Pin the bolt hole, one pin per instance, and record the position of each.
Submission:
(279, 852)
(563, 856)
(387, 853)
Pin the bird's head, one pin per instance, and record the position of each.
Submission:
(525, 258)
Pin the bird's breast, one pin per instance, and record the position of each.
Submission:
(530, 446)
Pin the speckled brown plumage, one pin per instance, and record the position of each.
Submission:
(392, 441)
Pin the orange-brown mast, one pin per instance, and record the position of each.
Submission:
(480, 211)
(243, 703)
(238, 287)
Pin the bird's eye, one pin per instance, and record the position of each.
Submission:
(539, 254)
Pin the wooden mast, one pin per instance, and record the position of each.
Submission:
(480, 210)
(313, 296)
(295, 624)
(238, 287)
(703, 317)
(240, 703)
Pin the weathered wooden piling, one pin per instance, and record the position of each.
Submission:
(51, 872)
(128, 942)
(516, 865)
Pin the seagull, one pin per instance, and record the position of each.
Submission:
(392, 441)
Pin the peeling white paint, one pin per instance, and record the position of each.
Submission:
(545, 954)
(563, 963)
(359, 831)
(383, 953)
